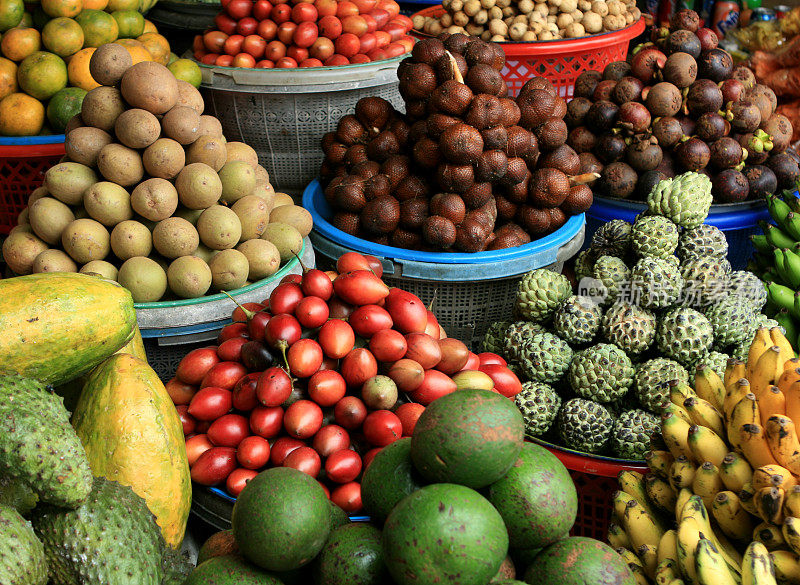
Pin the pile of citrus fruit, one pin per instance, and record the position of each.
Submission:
(45, 50)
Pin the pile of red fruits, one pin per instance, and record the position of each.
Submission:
(285, 34)
(319, 377)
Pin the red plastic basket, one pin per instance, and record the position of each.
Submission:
(22, 168)
(595, 480)
(560, 61)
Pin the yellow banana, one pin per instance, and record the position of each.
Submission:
(707, 483)
(639, 575)
(649, 557)
(791, 533)
(736, 370)
(787, 567)
(772, 402)
(792, 395)
(629, 557)
(710, 566)
(681, 474)
(677, 582)
(735, 393)
(672, 408)
(747, 498)
(773, 476)
(660, 494)
(668, 547)
(735, 471)
(745, 412)
(709, 386)
(757, 566)
(706, 445)
(770, 536)
(679, 392)
(675, 432)
(666, 571)
(731, 517)
(767, 372)
(705, 414)
(754, 446)
(762, 341)
(619, 501)
(791, 505)
(789, 375)
(791, 365)
(617, 537)
(781, 437)
(695, 508)
(779, 339)
(659, 462)
(633, 484)
(640, 526)
(769, 503)
(688, 536)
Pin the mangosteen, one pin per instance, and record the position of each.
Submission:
(426, 153)
(491, 166)
(680, 70)
(589, 163)
(732, 90)
(350, 131)
(715, 65)
(762, 181)
(667, 165)
(628, 89)
(745, 116)
(708, 39)
(428, 51)
(711, 126)
(769, 94)
(729, 186)
(511, 113)
(618, 180)
(516, 171)
(786, 170)
(616, 70)
(563, 158)
(439, 232)
(470, 236)
(578, 201)
(683, 41)
(455, 178)
(576, 111)
(703, 96)
(726, 153)
(646, 63)
(451, 97)
(496, 137)
(551, 134)
(644, 154)
(601, 116)
(693, 154)
(604, 90)
(535, 106)
(685, 19)
(411, 187)
(483, 78)
(688, 124)
(477, 195)
(745, 75)
(610, 148)
(663, 99)
(668, 131)
(633, 117)
(383, 146)
(754, 145)
(647, 181)
(779, 128)
(581, 139)
(586, 83)
(347, 222)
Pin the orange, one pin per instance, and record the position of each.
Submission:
(130, 22)
(18, 43)
(114, 5)
(137, 50)
(8, 77)
(186, 70)
(21, 115)
(27, 20)
(95, 4)
(157, 46)
(78, 69)
(11, 12)
(42, 75)
(63, 106)
(149, 27)
(68, 8)
(98, 27)
(62, 36)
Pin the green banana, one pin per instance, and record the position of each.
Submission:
(781, 296)
(761, 243)
(776, 236)
(785, 320)
(792, 225)
(779, 262)
(792, 266)
(778, 209)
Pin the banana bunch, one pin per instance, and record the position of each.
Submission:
(720, 504)
(776, 261)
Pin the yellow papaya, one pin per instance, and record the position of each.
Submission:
(132, 434)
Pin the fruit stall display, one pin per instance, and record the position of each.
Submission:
(718, 504)
(153, 196)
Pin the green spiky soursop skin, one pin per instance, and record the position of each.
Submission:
(612, 239)
(577, 320)
(614, 274)
(717, 361)
(540, 293)
(763, 321)
(630, 327)
(22, 559)
(584, 425)
(584, 264)
(494, 337)
(539, 404)
(654, 235)
(703, 240)
(650, 383)
(706, 280)
(685, 200)
(110, 539)
(630, 438)
(175, 567)
(684, 335)
(545, 358)
(747, 285)
(516, 335)
(38, 446)
(655, 283)
(733, 321)
(602, 373)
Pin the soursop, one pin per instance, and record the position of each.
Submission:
(175, 566)
(577, 320)
(733, 321)
(495, 336)
(612, 239)
(747, 285)
(516, 334)
(545, 358)
(540, 292)
(654, 235)
(703, 240)
(655, 283)
(651, 381)
(584, 425)
(614, 274)
(629, 327)
(686, 199)
(539, 405)
(706, 280)
(38, 446)
(22, 560)
(602, 373)
(763, 321)
(630, 438)
(584, 264)
(684, 335)
(717, 361)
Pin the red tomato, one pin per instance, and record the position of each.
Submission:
(383, 38)
(202, 427)
(423, 349)
(390, 6)
(388, 345)
(244, 393)
(224, 375)
(262, 9)
(336, 61)
(247, 26)
(281, 13)
(367, 320)
(375, 265)
(409, 414)
(505, 381)
(275, 50)
(286, 35)
(343, 466)
(196, 364)
(382, 427)
(253, 452)
(232, 330)
(329, 27)
(370, 455)
(225, 23)
(304, 459)
(365, 6)
(354, 25)
(197, 43)
(286, 63)
(350, 412)
(407, 310)
(224, 61)
(339, 309)
(377, 55)
(214, 465)
(315, 282)
(285, 298)
(196, 446)
(346, 8)
(329, 364)
(255, 46)
(404, 20)
(306, 33)
(230, 350)
(266, 421)
(304, 357)
(304, 12)
(435, 385)
(329, 439)
(368, 42)
(348, 497)
(432, 328)
(282, 447)
(274, 387)
(179, 392)
(406, 42)
(282, 330)
(351, 261)
(238, 9)
(302, 419)
(209, 59)
(359, 59)
(215, 41)
(395, 49)
(228, 430)
(325, 7)
(407, 374)
(187, 420)
(244, 312)
(358, 366)
(312, 312)
(325, 489)
(487, 358)
(210, 403)
(473, 362)
(298, 54)
(336, 337)
(238, 479)
(454, 356)
(265, 64)
(326, 387)
(359, 287)
(267, 29)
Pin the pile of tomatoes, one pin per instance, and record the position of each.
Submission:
(319, 377)
(304, 33)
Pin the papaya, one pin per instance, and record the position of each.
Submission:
(57, 326)
(132, 434)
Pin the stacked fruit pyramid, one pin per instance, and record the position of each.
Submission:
(153, 196)
(657, 299)
(721, 504)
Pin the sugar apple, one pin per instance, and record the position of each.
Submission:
(516, 334)
(703, 240)
(717, 361)
(651, 379)
(746, 284)
(545, 358)
(740, 351)
(733, 321)
(602, 373)
(655, 283)
(495, 336)
(540, 292)
(584, 425)
(706, 280)
(629, 327)
(685, 200)
(630, 438)
(577, 320)
(614, 274)
(654, 235)
(539, 405)
(684, 335)
(584, 264)
(612, 239)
